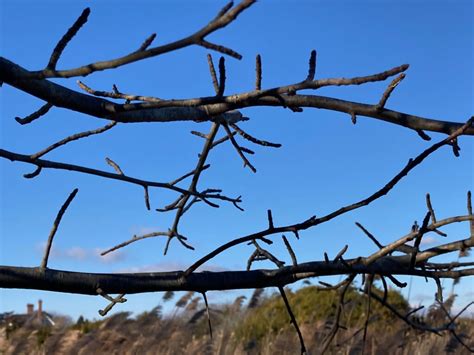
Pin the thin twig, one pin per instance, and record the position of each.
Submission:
(389, 90)
(113, 301)
(147, 42)
(147, 198)
(35, 115)
(114, 165)
(191, 173)
(253, 139)
(212, 71)
(222, 77)
(71, 32)
(73, 138)
(239, 149)
(293, 319)
(290, 250)
(469, 211)
(311, 66)
(57, 220)
(418, 237)
(430, 208)
(370, 235)
(258, 72)
(208, 313)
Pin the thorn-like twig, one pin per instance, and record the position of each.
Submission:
(258, 72)
(290, 250)
(222, 77)
(57, 220)
(253, 139)
(212, 71)
(423, 135)
(455, 146)
(37, 114)
(114, 165)
(147, 42)
(340, 254)
(311, 66)
(430, 208)
(33, 174)
(469, 211)
(353, 118)
(147, 198)
(389, 90)
(238, 148)
(113, 301)
(270, 219)
(418, 237)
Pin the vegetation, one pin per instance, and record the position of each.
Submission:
(259, 326)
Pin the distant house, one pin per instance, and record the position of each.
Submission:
(31, 318)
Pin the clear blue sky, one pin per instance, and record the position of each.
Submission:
(325, 161)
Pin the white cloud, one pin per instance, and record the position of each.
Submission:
(428, 240)
(113, 257)
(82, 254)
(76, 253)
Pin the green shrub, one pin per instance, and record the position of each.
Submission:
(310, 304)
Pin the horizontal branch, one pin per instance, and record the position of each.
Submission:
(87, 283)
(42, 163)
(203, 109)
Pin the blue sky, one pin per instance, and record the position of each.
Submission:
(325, 161)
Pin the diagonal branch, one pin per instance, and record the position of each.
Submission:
(72, 138)
(221, 21)
(54, 229)
(71, 32)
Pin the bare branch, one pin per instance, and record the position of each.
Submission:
(71, 32)
(35, 173)
(290, 250)
(113, 301)
(212, 70)
(370, 235)
(147, 42)
(114, 165)
(73, 138)
(311, 66)
(64, 166)
(389, 90)
(208, 314)
(258, 72)
(430, 208)
(115, 94)
(293, 319)
(195, 39)
(147, 198)
(469, 211)
(37, 114)
(423, 135)
(253, 139)
(134, 239)
(222, 77)
(239, 149)
(54, 229)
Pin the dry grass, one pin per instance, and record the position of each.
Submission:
(262, 328)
